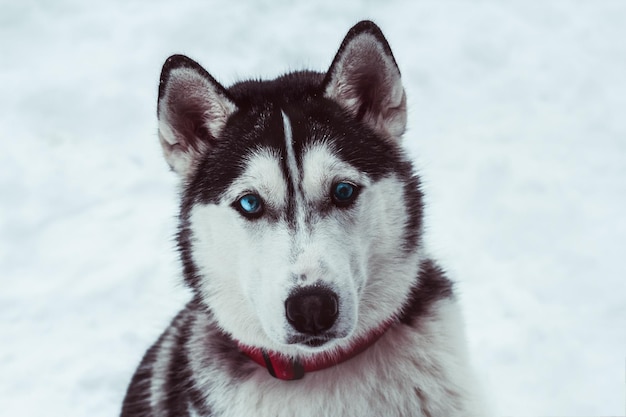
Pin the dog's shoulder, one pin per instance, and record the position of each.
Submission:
(432, 286)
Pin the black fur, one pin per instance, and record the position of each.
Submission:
(215, 348)
(257, 122)
(218, 349)
(137, 400)
(178, 385)
(431, 286)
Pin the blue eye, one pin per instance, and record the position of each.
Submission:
(250, 205)
(344, 193)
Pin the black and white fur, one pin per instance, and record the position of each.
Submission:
(288, 142)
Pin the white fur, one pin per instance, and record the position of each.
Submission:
(247, 273)
(160, 368)
(432, 359)
(292, 164)
(235, 256)
(248, 268)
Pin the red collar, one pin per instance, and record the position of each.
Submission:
(289, 369)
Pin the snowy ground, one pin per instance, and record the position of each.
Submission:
(518, 125)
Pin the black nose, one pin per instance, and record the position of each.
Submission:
(312, 310)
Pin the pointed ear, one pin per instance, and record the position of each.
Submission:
(192, 109)
(365, 80)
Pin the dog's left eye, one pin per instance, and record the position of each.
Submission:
(250, 205)
(344, 193)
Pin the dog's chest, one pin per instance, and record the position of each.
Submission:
(340, 392)
(370, 385)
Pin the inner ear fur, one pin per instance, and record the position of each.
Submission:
(365, 80)
(192, 110)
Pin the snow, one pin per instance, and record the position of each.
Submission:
(516, 123)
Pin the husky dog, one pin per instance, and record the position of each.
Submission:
(301, 238)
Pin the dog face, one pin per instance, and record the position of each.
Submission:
(300, 215)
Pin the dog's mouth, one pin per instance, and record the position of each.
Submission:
(314, 343)
(310, 341)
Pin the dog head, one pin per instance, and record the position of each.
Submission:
(300, 216)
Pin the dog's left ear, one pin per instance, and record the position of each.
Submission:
(365, 80)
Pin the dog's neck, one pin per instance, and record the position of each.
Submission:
(289, 369)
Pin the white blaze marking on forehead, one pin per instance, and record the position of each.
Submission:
(294, 173)
(292, 164)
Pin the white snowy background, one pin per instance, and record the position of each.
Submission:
(517, 124)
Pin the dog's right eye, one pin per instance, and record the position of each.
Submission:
(250, 205)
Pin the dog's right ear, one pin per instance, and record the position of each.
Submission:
(192, 109)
